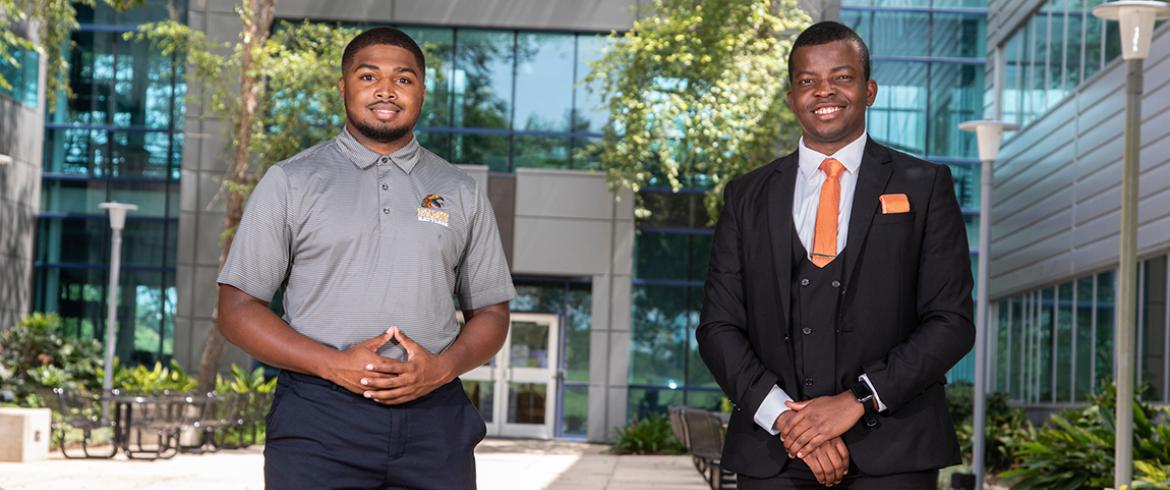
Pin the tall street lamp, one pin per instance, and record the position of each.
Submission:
(1137, 27)
(117, 223)
(989, 135)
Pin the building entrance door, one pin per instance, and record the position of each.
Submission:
(516, 391)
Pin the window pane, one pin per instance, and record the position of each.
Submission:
(1106, 317)
(1092, 45)
(1044, 332)
(438, 46)
(898, 115)
(658, 345)
(544, 82)
(697, 374)
(705, 399)
(673, 209)
(145, 90)
(1073, 45)
(1013, 86)
(477, 149)
(483, 79)
(644, 402)
(1064, 350)
(1020, 338)
(1085, 348)
(578, 319)
(861, 21)
(438, 143)
(959, 35)
(575, 411)
(659, 255)
(956, 95)
(1153, 340)
(700, 256)
(541, 152)
(1052, 15)
(1037, 67)
(591, 116)
(1003, 347)
(890, 38)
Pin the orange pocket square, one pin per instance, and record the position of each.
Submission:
(894, 203)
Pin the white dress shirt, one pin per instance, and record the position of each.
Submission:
(806, 197)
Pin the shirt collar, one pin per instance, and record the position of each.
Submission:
(406, 157)
(850, 156)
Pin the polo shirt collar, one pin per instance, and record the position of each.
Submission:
(406, 157)
(849, 156)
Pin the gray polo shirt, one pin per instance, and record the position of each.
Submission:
(363, 241)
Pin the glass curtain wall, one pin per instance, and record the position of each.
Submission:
(1055, 344)
(671, 250)
(926, 88)
(1057, 48)
(120, 138)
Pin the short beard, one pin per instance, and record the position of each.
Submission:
(379, 134)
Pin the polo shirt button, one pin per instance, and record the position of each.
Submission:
(385, 210)
(836, 284)
(807, 331)
(804, 282)
(384, 160)
(808, 381)
(385, 187)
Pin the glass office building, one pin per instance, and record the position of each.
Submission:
(1054, 343)
(504, 98)
(120, 138)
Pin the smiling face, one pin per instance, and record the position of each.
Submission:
(829, 94)
(383, 92)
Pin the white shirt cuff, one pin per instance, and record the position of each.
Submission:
(881, 406)
(771, 408)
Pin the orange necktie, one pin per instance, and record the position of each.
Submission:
(825, 234)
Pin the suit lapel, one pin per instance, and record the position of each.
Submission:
(780, 189)
(871, 181)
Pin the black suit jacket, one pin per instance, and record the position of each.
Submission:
(905, 314)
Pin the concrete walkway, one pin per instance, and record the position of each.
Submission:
(501, 464)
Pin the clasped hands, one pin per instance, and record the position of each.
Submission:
(362, 370)
(811, 430)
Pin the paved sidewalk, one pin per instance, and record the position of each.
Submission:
(501, 464)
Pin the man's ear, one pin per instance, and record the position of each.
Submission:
(341, 87)
(871, 90)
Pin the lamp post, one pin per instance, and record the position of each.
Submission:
(1137, 27)
(117, 223)
(989, 134)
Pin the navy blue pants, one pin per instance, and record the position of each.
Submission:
(321, 436)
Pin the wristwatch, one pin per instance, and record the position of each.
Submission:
(864, 395)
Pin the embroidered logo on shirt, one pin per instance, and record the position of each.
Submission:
(432, 201)
(429, 210)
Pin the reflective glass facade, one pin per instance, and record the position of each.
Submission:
(22, 76)
(1050, 54)
(1055, 344)
(119, 139)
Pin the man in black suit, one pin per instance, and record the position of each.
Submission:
(838, 296)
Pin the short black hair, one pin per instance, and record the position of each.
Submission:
(383, 35)
(825, 33)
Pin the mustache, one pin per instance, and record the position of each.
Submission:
(384, 103)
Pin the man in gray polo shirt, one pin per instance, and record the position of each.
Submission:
(373, 239)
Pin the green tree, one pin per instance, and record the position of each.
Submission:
(695, 92)
(52, 21)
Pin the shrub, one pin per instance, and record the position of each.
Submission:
(34, 354)
(1075, 449)
(243, 383)
(651, 435)
(139, 379)
(1007, 427)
